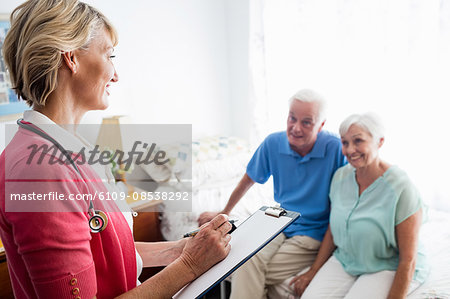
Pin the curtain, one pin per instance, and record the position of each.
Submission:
(388, 57)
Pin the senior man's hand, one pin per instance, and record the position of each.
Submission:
(209, 246)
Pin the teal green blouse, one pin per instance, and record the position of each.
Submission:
(363, 226)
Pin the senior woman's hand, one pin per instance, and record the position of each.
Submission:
(209, 246)
(300, 282)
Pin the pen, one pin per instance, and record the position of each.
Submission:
(194, 232)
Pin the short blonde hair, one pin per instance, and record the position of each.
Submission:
(41, 30)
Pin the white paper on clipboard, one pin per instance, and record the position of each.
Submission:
(249, 237)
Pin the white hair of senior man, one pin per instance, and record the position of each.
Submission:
(310, 96)
(367, 121)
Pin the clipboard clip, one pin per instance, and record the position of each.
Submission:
(275, 211)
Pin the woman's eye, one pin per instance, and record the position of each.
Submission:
(112, 56)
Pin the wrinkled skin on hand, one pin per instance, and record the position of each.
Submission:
(209, 246)
(206, 217)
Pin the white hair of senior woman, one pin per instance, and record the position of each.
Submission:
(310, 96)
(367, 121)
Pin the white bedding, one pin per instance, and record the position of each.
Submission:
(435, 234)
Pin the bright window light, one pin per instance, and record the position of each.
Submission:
(388, 57)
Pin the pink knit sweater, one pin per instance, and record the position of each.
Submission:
(54, 254)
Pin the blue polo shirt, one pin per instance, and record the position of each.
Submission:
(300, 184)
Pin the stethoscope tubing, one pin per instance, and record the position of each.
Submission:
(29, 127)
(93, 214)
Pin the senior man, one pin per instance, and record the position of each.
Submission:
(302, 161)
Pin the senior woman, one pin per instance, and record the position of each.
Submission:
(376, 213)
(59, 55)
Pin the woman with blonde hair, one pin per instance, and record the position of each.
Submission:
(59, 55)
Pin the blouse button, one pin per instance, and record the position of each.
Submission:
(73, 281)
(75, 291)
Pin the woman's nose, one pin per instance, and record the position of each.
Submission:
(115, 78)
(350, 148)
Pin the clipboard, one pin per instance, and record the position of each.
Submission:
(248, 238)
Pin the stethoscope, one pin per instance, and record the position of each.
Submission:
(97, 219)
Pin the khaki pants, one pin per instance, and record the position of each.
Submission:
(280, 259)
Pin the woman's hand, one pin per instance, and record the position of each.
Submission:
(300, 282)
(206, 217)
(156, 254)
(180, 244)
(198, 254)
(209, 246)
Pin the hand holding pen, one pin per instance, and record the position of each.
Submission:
(210, 245)
(194, 232)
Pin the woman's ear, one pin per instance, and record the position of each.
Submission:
(71, 61)
(381, 142)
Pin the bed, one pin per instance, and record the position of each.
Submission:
(436, 236)
(218, 165)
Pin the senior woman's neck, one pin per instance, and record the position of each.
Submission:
(60, 115)
(374, 170)
(62, 110)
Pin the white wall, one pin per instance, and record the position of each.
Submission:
(238, 61)
(178, 62)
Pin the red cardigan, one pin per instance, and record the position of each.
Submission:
(54, 254)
